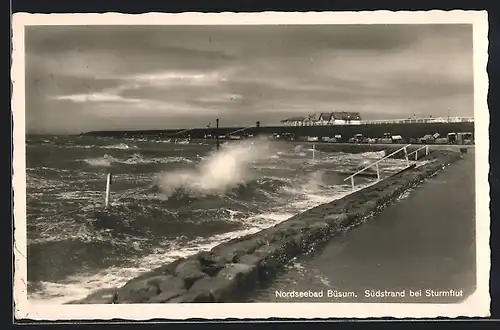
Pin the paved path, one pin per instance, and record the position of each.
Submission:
(424, 241)
(398, 145)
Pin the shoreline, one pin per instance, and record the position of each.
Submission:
(232, 269)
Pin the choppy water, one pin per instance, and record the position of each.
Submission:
(168, 200)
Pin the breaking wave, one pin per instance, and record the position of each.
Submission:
(218, 172)
(121, 146)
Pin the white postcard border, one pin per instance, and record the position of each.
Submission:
(477, 305)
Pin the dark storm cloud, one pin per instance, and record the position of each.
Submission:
(124, 77)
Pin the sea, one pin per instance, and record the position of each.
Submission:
(168, 199)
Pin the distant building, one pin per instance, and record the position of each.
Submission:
(295, 121)
(325, 118)
(354, 118)
(346, 118)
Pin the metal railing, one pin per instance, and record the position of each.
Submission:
(181, 131)
(426, 147)
(376, 164)
(241, 129)
(421, 120)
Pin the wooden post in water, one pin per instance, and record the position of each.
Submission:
(108, 189)
(416, 153)
(426, 149)
(378, 172)
(217, 125)
(352, 182)
(314, 150)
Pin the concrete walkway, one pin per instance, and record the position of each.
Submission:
(425, 241)
(455, 147)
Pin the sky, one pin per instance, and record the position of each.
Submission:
(84, 78)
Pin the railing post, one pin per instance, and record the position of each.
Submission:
(416, 155)
(426, 150)
(378, 173)
(352, 182)
(406, 157)
(314, 149)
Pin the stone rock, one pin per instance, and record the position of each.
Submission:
(148, 288)
(189, 271)
(137, 292)
(239, 272)
(250, 259)
(167, 296)
(289, 228)
(101, 296)
(167, 269)
(166, 283)
(273, 258)
(370, 204)
(193, 297)
(232, 252)
(300, 242)
(317, 231)
(210, 262)
(336, 219)
(229, 282)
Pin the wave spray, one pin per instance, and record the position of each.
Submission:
(220, 171)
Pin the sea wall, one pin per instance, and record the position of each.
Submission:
(234, 268)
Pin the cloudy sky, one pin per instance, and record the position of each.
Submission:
(151, 77)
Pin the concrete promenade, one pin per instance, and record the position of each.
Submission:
(454, 147)
(425, 241)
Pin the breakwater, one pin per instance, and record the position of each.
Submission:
(407, 131)
(231, 269)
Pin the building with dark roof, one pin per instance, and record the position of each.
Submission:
(326, 118)
(296, 121)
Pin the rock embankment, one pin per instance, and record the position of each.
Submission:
(234, 268)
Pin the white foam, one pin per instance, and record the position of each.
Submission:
(138, 159)
(220, 171)
(122, 146)
(373, 154)
(107, 160)
(104, 161)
